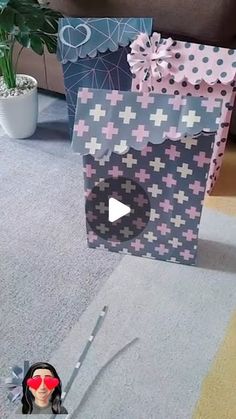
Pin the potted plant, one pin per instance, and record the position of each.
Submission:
(33, 25)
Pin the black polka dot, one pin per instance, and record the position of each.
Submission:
(223, 92)
(148, 44)
(141, 49)
(218, 143)
(181, 67)
(163, 90)
(210, 89)
(177, 55)
(201, 47)
(217, 168)
(209, 72)
(176, 92)
(216, 49)
(219, 62)
(137, 86)
(220, 155)
(191, 57)
(195, 70)
(205, 59)
(223, 74)
(169, 65)
(231, 51)
(229, 106)
(184, 83)
(234, 64)
(133, 76)
(171, 81)
(197, 87)
(189, 94)
(223, 140)
(187, 45)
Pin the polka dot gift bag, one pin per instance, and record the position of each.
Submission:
(183, 68)
(147, 136)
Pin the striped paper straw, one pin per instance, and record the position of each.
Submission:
(82, 357)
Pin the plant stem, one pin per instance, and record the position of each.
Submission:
(6, 61)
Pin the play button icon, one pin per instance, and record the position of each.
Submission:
(117, 210)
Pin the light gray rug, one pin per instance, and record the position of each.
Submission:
(48, 276)
(179, 315)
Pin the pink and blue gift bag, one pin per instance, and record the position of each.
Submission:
(149, 116)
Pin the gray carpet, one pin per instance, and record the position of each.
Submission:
(48, 276)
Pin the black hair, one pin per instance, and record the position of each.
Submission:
(27, 398)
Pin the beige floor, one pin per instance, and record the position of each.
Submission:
(223, 197)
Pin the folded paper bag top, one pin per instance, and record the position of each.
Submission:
(86, 37)
(182, 60)
(113, 121)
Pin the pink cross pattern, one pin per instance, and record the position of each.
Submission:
(201, 159)
(210, 103)
(146, 150)
(114, 97)
(141, 200)
(90, 195)
(172, 152)
(115, 172)
(110, 130)
(139, 223)
(172, 133)
(81, 128)
(113, 241)
(192, 212)
(85, 95)
(177, 102)
(140, 133)
(91, 236)
(116, 195)
(168, 180)
(142, 175)
(91, 217)
(89, 171)
(163, 229)
(186, 255)
(189, 235)
(166, 205)
(145, 99)
(137, 245)
(196, 187)
(161, 249)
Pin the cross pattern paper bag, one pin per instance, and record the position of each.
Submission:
(152, 152)
(175, 67)
(93, 53)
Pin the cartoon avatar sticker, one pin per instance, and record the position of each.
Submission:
(41, 391)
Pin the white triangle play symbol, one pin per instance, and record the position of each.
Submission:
(117, 210)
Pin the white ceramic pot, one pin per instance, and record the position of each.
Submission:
(19, 114)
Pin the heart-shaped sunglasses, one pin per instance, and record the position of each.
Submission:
(35, 382)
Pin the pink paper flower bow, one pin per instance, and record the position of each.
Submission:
(149, 58)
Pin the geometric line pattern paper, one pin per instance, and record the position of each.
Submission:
(81, 37)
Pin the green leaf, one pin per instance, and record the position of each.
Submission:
(50, 42)
(3, 3)
(23, 39)
(7, 18)
(36, 44)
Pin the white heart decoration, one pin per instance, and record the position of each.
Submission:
(81, 25)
